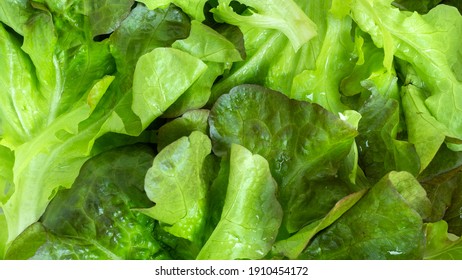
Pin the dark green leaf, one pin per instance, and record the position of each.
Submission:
(301, 141)
(372, 230)
(94, 219)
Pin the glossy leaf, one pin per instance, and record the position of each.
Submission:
(94, 219)
(251, 214)
(372, 230)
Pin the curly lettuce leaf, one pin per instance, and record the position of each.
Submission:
(380, 149)
(270, 14)
(429, 43)
(217, 52)
(334, 61)
(151, 84)
(251, 213)
(311, 73)
(106, 16)
(15, 14)
(424, 131)
(51, 159)
(144, 30)
(302, 142)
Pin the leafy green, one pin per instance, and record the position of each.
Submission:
(94, 219)
(271, 14)
(380, 150)
(144, 30)
(293, 246)
(217, 52)
(440, 244)
(151, 84)
(106, 16)
(194, 120)
(194, 8)
(180, 200)
(251, 214)
(372, 230)
(70, 103)
(301, 141)
(421, 40)
(223, 129)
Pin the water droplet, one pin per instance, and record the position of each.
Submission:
(395, 253)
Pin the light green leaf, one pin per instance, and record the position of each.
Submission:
(194, 8)
(334, 62)
(3, 234)
(176, 185)
(442, 245)
(144, 30)
(271, 14)
(6, 173)
(51, 159)
(251, 214)
(428, 42)
(156, 87)
(424, 131)
(195, 120)
(18, 124)
(208, 45)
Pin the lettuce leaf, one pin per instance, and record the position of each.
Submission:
(372, 230)
(272, 14)
(442, 245)
(71, 101)
(422, 41)
(94, 219)
(251, 213)
(180, 202)
(301, 141)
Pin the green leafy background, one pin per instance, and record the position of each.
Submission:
(220, 129)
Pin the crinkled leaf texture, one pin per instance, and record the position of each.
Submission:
(428, 43)
(302, 142)
(94, 219)
(271, 14)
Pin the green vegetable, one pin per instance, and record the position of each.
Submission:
(95, 218)
(251, 214)
(219, 129)
(282, 130)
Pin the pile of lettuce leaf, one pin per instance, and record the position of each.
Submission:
(230, 129)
